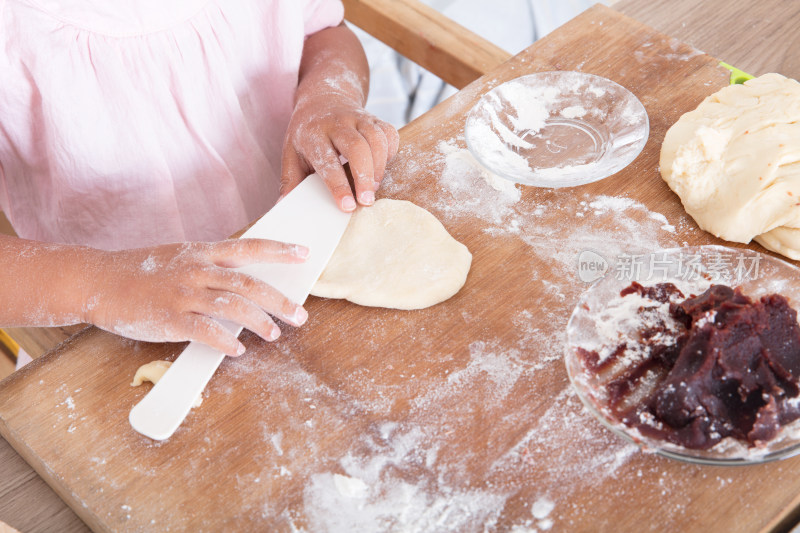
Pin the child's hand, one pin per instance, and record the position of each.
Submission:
(323, 127)
(176, 292)
(329, 120)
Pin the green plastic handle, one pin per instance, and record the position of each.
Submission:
(737, 76)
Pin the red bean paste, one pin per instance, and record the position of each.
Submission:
(729, 368)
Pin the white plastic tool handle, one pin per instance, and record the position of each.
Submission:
(308, 216)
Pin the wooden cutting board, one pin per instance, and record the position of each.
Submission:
(459, 417)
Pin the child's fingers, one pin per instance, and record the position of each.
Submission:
(239, 252)
(379, 146)
(208, 331)
(259, 292)
(240, 310)
(392, 136)
(352, 145)
(325, 161)
(293, 171)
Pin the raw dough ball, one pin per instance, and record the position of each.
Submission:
(395, 254)
(154, 371)
(735, 163)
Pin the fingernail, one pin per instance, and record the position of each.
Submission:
(348, 203)
(241, 349)
(301, 251)
(274, 333)
(367, 197)
(300, 316)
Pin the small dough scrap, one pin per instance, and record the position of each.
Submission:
(735, 163)
(395, 254)
(153, 372)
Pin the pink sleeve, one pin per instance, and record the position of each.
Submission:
(320, 14)
(3, 195)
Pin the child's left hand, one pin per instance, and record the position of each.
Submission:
(326, 126)
(329, 120)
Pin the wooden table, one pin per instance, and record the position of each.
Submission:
(757, 37)
(465, 404)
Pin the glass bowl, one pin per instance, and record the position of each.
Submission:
(692, 270)
(557, 129)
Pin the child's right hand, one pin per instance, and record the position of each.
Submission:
(176, 292)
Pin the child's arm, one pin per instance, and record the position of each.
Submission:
(329, 119)
(166, 293)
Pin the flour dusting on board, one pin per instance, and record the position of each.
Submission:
(409, 470)
(404, 476)
(384, 492)
(405, 466)
(473, 187)
(556, 224)
(69, 404)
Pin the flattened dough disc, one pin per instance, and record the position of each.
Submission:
(395, 254)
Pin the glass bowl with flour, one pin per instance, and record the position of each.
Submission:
(557, 129)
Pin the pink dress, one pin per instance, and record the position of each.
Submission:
(128, 123)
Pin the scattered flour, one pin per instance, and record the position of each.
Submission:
(468, 190)
(377, 494)
(542, 508)
(350, 487)
(410, 470)
(529, 106)
(474, 189)
(276, 442)
(149, 264)
(554, 226)
(573, 111)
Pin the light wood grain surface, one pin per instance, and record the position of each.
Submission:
(7, 364)
(28, 504)
(417, 382)
(755, 36)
